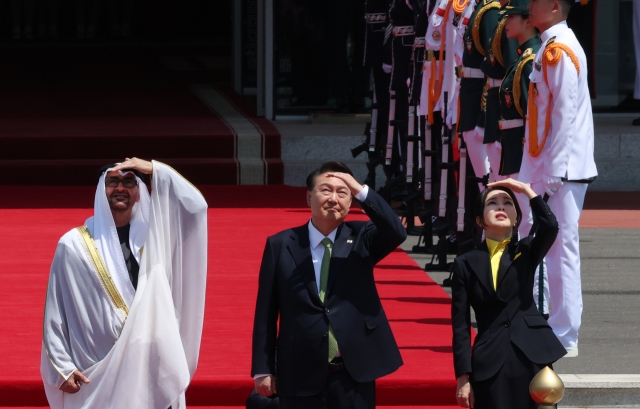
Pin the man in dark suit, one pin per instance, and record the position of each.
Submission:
(334, 339)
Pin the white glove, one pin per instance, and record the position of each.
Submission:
(451, 118)
(551, 184)
(386, 68)
(479, 134)
(436, 20)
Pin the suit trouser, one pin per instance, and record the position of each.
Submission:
(340, 391)
(563, 262)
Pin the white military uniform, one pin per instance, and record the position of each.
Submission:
(449, 80)
(567, 154)
(431, 43)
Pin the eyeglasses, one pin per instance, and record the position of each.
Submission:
(115, 182)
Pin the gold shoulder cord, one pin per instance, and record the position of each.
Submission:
(475, 30)
(517, 87)
(496, 46)
(551, 55)
(103, 274)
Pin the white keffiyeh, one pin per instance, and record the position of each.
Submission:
(155, 357)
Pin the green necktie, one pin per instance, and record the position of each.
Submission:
(324, 278)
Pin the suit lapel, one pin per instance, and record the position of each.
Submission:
(300, 250)
(341, 249)
(506, 260)
(480, 264)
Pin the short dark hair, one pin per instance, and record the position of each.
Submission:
(113, 165)
(566, 6)
(328, 166)
(478, 209)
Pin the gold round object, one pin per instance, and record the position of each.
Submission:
(546, 388)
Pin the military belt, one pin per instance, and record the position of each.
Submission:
(510, 123)
(401, 31)
(492, 82)
(372, 18)
(467, 72)
(431, 54)
(418, 42)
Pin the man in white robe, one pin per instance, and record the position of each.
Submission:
(112, 341)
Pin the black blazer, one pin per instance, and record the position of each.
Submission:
(508, 315)
(288, 290)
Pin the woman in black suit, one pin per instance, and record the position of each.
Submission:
(514, 341)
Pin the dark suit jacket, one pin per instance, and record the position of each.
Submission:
(508, 315)
(288, 290)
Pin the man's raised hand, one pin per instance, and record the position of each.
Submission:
(74, 382)
(141, 165)
(349, 180)
(266, 385)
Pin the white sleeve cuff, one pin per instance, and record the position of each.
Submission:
(260, 375)
(362, 195)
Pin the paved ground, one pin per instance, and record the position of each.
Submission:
(611, 289)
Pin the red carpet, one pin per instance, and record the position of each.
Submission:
(239, 221)
(69, 110)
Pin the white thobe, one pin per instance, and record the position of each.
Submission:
(140, 353)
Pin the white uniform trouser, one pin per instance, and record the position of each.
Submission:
(563, 262)
(494, 151)
(477, 153)
(523, 231)
(636, 41)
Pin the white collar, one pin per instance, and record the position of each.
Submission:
(315, 237)
(553, 31)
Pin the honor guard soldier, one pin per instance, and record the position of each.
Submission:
(467, 190)
(445, 19)
(402, 31)
(432, 41)
(558, 155)
(500, 53)
(472, 83)
(377, 21)
(415, 126)
(421, 23)
(428, 98)
(514, 91)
